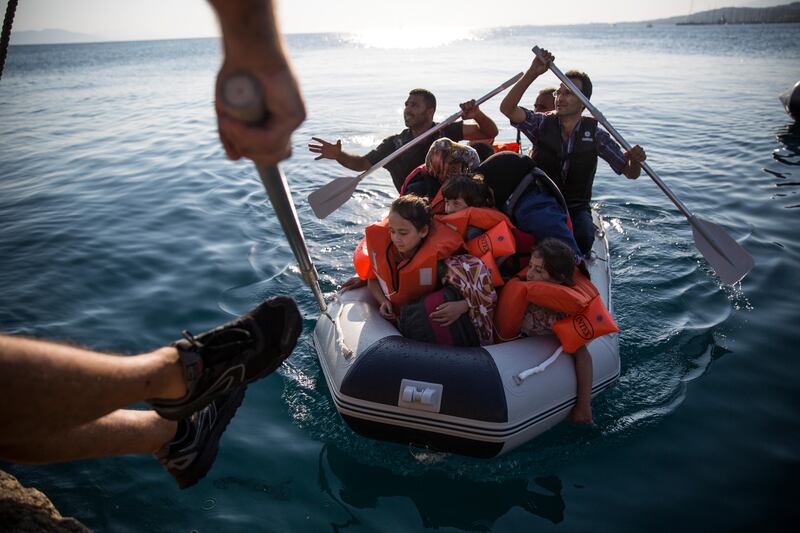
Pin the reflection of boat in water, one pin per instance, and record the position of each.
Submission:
(472, 401)
(465, 504)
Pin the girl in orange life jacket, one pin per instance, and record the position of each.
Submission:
(409, 222)
(460, 192)
(553, 260)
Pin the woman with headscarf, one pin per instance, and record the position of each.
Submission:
(445, 158)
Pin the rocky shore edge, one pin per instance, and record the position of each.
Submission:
(27, 510)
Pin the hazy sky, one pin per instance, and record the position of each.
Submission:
(158, 19)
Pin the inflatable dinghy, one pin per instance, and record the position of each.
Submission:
(478, 401)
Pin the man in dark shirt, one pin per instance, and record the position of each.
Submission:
(418, 115)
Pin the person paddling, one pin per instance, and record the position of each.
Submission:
(567, 145)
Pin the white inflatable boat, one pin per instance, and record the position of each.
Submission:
(480, 402)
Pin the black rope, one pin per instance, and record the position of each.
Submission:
(6, 36)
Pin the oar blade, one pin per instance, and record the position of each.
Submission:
(729, 260)
(332, 196)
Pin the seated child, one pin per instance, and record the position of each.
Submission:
(417, 243)
(554, 261)
(462, 191)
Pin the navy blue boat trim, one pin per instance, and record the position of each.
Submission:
(466, 428)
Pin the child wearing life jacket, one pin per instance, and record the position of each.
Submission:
(552, 260)
(409, 223)
(417, 260)
(463, 191)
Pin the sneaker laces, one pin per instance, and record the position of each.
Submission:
(199, 345)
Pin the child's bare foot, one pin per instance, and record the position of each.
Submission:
(581, 414)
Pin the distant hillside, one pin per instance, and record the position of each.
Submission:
(739, 15)
(51, 36)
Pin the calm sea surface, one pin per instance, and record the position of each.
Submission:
(122, 223)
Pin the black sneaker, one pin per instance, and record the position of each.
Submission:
(234, 354)
(188, 457)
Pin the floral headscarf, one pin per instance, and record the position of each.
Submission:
(442, 155)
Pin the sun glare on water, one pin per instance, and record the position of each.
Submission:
(412, 37)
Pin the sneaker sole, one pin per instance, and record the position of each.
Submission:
(209, 454)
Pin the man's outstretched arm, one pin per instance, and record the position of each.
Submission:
(253, 44)
(334, 151)
(510, 104)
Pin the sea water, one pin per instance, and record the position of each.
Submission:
(122, 223)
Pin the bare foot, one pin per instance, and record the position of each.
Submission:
(581, 414)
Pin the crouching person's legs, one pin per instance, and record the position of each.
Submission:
(583, 227)
(540, 214)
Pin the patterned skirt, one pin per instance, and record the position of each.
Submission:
(472, 279)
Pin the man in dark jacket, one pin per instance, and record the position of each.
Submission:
(568, 145)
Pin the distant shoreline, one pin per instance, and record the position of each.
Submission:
(660, 22)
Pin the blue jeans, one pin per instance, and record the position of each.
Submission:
(583, 227)
(541, 215)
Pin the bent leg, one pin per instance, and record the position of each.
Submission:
(122, 432)
(583, 227)
(47, 387)
(541, 215)
(582, 412)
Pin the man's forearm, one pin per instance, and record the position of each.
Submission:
(512, 99)
(250, 32)
(486, 125)
(353, 161)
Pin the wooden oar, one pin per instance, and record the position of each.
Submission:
(242, 99)
(729, 260)
(333, 195)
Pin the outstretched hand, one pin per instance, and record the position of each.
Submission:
(325, 149)
(266, 144)
(539, 66)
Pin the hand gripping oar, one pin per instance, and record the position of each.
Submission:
(729, 260)
(333, 195)
(241, 96)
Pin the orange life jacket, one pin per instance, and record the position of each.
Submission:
(411, 279)
(587, 316)
(511, 146)
(496, 241)
(437, 204)
(361, 260)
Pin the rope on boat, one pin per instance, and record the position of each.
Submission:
(6, 35)
(338, 333)
(525, 374)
